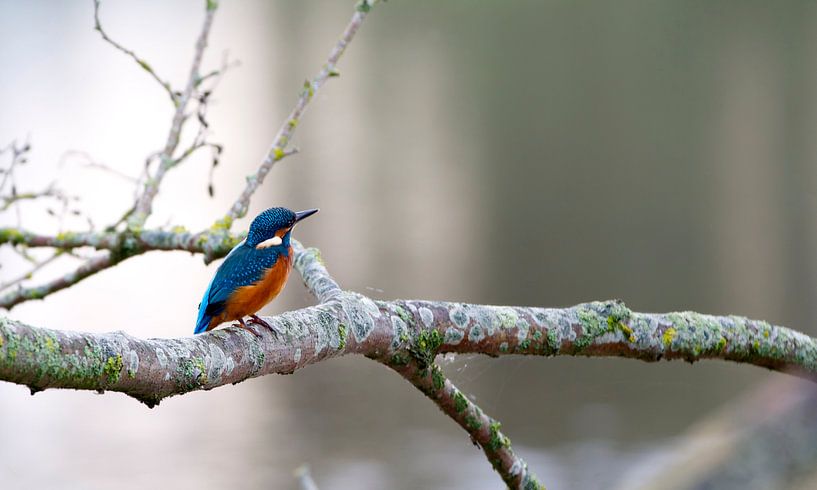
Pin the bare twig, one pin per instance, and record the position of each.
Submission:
(144, 204)
(50, 191)
(22, 251)
(37, 266)
(484, 430)
(89, 268)
(140, 61)
(217, 75)
(89, 162)
(278, 150)
(190, 150)
(19, 155)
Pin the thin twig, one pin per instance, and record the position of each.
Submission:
(143, 205)
(484, 430)
(50, 191)
(190, 150)
(22, 251)
(278, 150)
(17, 157)
(89, 268)
(89, 162)
(217, 75)
(39, 265)
(140, 61)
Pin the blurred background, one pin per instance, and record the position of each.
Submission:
(526, 152)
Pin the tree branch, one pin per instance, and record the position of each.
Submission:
(118, 246)
(278, 150)
(88, 268)
(309, 263)
(166, 161)
(405, 335)
(214, 243)
(484, 430)
(139, 61)
(7, 201)
(27, 275)
(19, 155)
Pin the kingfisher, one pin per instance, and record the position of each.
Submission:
(253, 273)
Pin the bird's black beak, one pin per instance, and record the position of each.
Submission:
(304, 214)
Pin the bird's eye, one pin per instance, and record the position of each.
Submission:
(272, 242)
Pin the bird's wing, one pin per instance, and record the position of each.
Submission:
(243, 266)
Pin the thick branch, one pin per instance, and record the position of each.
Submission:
(151, 370)
(610, 329)
(398, 331)
(278, 150)
(406, 335)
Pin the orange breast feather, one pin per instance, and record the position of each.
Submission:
(247, 300)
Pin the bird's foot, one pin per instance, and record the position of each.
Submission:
(246, 327)
(259, 321)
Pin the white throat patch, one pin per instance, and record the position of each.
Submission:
(272, 242)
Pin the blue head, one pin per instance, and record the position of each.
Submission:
(273, 227)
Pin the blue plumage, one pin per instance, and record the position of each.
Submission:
(243, 266)
(246, 264)
(204, 319)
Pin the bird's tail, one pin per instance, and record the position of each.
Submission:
(204, 319)
(202, 322)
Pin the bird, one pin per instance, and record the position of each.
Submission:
(253, 273)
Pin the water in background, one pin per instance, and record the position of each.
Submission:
(529, 153)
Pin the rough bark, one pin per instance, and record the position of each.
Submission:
(405, 335)
(395, 332)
